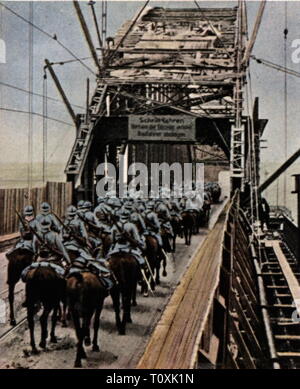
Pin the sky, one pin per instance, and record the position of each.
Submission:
(59, 17)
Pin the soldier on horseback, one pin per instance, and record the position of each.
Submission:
(45, 212)
(164, 218)
(93, 225)
(152, 223)
(126, 238)
(48, 244)
(74, 233)
(103, 210)
(26, 225)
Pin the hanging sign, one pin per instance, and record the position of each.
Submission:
(160, 128)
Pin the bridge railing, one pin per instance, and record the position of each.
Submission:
(235, 327)
(58, 194)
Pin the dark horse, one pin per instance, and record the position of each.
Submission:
(126, 271)
(45, 286)
(85, 295)
(153, 257)
(188, 222)
(19, 259)
(176, 224)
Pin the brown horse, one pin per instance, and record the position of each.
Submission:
(152, 255)
(176, 224)
(85, 294)
(45, 286)
(189, 223)
(18, 259)
(127, 272)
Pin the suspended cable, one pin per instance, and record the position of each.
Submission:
(275, 66)
(54, 36)
(37, 94)
(285, 33)
(45, 114)
(70, 60)
(36, 114)
(30, 100)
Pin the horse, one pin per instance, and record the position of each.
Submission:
(152, 255)
(126, 271)
(106, 243)
(177, 229)
(45, 286)
(19, 259)
(85, 296)
(188, 222)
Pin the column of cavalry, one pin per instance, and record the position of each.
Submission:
(77, 262)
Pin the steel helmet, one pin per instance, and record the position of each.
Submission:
(80, 204)
(87, 205)
(150, 205)
(45, 208)
(125, 215)
(100, 200)
(45, 224)
(71, 211)
(28, 210)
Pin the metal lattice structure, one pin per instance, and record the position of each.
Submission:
(167, 62)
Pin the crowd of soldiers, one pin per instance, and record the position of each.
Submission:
(126, 222)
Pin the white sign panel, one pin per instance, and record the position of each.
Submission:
(162, 128)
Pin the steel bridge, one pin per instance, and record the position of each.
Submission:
(187, 63)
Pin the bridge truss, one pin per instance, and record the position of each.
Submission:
(180, 61)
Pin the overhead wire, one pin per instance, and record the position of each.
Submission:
(30, 99)
(36, 114)
(54, 36)
(37, 94)
(45, 114)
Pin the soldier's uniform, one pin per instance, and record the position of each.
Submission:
(121, 244)
(152, 223)
(164, 217)
(25, 230)
(175, 208)
(74, 226)
(93, 225)
(52, 241)
(103, 210)
(45, 210)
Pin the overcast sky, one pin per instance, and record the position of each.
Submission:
(58, 17)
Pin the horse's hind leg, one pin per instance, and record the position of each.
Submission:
(11, 297)
(96, 326)
(80, 353)
(134, 303)
(44, 325)
(115, 295)
(30, 319)
(54, 318)
(86, 327)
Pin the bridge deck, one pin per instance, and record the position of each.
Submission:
(175, 339)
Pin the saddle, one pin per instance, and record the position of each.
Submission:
(59, 270)
(81, 265)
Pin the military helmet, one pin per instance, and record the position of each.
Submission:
(45, 224)
(125, 215)
(87, 205)
(45, 208)
(80, 204)
(71, 211)
(150, 205)
(28, 210)
(128, 206)
(100, 200)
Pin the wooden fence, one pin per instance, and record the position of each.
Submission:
(58, 194)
